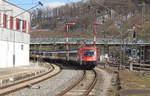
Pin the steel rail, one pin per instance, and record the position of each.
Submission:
(22, 81)
(91, 86)
(25, 83)
(88, 89)
(72, 86)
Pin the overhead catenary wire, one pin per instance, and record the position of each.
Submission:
(39, 3)
(26, 4)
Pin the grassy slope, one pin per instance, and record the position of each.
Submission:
(133, 80)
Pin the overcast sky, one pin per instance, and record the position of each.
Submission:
(26, 4)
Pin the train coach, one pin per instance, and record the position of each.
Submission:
(85, 56)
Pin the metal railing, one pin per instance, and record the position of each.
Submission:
(88, 41)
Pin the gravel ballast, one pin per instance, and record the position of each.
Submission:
(52, 86)
(103, 83)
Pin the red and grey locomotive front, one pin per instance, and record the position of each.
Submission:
(88, 56)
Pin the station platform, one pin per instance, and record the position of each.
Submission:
(12, 75)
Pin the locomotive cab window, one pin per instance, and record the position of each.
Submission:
(88, 53)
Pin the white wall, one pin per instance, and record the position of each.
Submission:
(7, 49)
(21, 54)
(11, 43)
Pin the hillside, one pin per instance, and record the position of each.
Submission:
(118, 17)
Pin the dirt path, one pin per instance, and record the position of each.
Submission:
(106, 82)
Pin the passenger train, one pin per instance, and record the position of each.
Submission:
(85, 56)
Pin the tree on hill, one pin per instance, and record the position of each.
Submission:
(115, 13)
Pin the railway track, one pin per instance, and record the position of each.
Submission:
(11, 88)
(83, 86)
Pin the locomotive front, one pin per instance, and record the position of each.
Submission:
(88, 56)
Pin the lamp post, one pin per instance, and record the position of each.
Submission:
(67, 37)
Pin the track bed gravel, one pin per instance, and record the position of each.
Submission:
(103, 83)
(52, 86)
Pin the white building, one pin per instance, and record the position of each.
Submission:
(14, 35)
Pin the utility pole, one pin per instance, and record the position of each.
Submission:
(94, 34)
(121, 61)
(67, 38)
(122, 47)
(142, 53)
(94, 31)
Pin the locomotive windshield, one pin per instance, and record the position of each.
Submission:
(88, 53)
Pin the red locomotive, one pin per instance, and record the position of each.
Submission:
(88, 56)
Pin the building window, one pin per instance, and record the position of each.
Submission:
(4, 20)
(7, 21)
(18, 24)
(24, 26)
(11, 24)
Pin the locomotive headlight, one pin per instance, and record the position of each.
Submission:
(89, 59)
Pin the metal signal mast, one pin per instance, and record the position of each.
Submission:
(94, 31)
